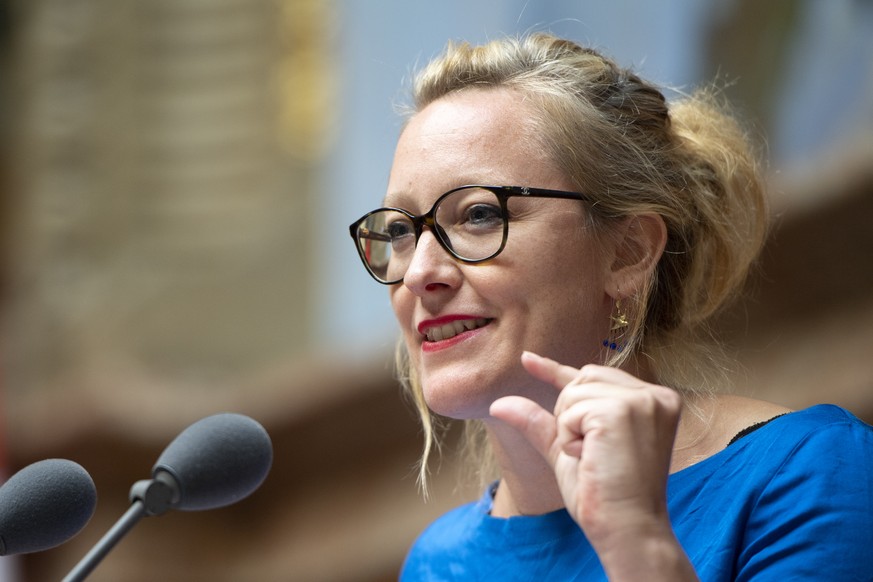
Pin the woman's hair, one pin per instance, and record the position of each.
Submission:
(617, 139)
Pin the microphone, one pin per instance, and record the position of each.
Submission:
(215, 462)
(43, 505)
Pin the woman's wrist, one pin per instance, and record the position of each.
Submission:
(645, 552)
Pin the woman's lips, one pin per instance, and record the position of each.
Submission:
(438, 332)
(446, 331)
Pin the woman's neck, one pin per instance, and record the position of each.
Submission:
(527, 484)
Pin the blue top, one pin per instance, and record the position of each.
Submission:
(793, 500)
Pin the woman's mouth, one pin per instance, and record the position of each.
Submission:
(453, 328)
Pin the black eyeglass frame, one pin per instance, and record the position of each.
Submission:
(503, 193)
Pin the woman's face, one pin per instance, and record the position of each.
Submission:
(546, 292)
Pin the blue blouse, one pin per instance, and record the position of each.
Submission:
(793, 500)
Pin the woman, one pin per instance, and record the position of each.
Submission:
(560, 305)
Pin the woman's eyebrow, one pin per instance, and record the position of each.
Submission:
(394, 200)
(404, 200)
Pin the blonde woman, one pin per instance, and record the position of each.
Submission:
(555, 237)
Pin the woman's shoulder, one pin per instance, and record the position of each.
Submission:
(823, 429)
(735, 417)
(736, 414)
(817, 459)
(801, 454)
(740, 428)
(826, 414)
(793, 492)
(820, 435)
(774, 425)
(824, 419)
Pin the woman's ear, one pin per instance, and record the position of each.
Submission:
(640, 242)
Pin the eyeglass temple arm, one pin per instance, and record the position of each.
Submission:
(364, 232)
(546, 193)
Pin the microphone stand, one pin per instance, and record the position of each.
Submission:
(148, 497)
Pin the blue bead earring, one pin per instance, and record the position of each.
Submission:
(619, 320)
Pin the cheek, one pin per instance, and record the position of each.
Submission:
(403, 304)
(549, 280)
(565, 308)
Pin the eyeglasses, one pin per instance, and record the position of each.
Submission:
(470, 222)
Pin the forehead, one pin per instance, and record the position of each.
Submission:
(484, 136)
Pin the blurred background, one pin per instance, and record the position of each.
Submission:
(176, 181)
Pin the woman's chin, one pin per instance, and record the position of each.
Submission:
(464, 398)
(457, 404)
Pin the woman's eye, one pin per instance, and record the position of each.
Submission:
(484, 215)
(398, 229)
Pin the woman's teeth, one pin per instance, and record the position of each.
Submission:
(452, 329)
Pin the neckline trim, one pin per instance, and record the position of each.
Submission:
(752, 428)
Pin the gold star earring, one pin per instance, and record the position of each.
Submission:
(619, 318)
(616, 332)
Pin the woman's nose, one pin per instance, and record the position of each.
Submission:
(431, 266)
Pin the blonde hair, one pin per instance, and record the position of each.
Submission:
(618, 140)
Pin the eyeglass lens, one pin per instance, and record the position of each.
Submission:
(469, 224)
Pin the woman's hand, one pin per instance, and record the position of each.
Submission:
(609, 441)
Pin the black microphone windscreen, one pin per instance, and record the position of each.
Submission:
(43, 505)
(217, 461)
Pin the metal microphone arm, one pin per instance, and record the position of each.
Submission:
(149, 497)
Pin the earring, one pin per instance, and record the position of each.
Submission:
(619, 321)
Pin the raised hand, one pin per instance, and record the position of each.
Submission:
(609, 441)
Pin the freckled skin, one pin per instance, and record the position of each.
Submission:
(546, 292)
